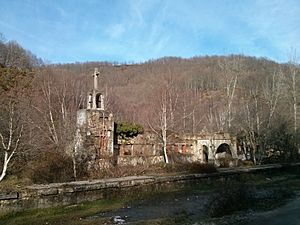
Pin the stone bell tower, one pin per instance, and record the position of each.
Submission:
(95, 99)
(95, 127)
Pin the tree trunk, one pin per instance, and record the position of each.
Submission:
(4, 169)
(164, 131)
(74, 168)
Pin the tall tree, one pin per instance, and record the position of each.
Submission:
(163, 116)
(231, 69)
(272, 89)
(292, 80)
(14, 87)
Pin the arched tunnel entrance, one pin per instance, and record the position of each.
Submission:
(224, 148)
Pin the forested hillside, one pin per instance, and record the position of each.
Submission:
(203, 93)
(254, 98)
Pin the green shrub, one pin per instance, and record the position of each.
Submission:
(128, 130)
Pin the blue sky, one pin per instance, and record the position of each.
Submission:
(63, 31)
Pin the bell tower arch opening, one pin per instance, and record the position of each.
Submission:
(90, 101)
(99, 101)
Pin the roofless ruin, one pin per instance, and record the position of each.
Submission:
(96, 141)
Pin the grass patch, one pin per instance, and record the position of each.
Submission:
(74, 214)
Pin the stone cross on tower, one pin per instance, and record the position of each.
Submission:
(95, 98)
(95, 75)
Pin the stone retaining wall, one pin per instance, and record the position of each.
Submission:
(58, 194)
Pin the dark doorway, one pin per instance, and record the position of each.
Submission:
(205, 153)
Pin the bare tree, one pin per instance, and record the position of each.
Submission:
(251, 124)
(190, 103)
(272, 90)
(292, 82)
(57, 98)
(231, 69)
(14, 93)
(13, 55)
(10, 136)
(165, 103)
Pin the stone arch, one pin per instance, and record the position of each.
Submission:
(224, 147)
(99, 101)
(90, 101)
(205, 153)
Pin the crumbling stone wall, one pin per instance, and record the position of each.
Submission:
(58, 194)
(180, 148)
(94, 138)
(140, 150)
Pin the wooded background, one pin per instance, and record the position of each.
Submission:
(254, 98)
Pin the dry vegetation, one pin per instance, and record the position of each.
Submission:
(254, 98)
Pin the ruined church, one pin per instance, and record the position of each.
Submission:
(97, 143)
(94, 139)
